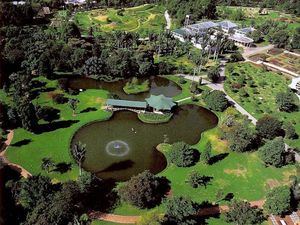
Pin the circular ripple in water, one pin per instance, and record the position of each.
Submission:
(117, 148)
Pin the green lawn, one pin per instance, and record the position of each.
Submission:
(244, 175)
(262, 94)
(55, 144)
(141, 19)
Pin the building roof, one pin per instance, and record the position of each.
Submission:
(160, 102)
(203, 25)
(246, 30)
(241, 38)
(126, 103)
(227, 24)
(18, 2)
(75, 2)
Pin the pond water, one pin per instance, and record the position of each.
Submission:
(124, 146)
(158, 85)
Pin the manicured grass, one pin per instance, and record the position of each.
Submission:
(262, 94)
(55, 144)
(141, 19)
(154, 117)
(244, 175)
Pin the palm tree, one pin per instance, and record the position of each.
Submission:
(47, 163)
(78, 152)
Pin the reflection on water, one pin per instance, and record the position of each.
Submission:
(158, 85)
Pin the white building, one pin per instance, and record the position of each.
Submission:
(239, 36)
(228, 26)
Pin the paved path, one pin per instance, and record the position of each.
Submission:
(220, 86)
(24, 173)
(168, 19)
(253, 51)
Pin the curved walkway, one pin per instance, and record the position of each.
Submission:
(23, 172)
(209, 211)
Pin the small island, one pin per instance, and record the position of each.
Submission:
(155, 118)
(134, 87)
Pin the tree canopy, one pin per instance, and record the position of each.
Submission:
(278, 200)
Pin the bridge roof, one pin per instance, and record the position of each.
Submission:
(126, 103)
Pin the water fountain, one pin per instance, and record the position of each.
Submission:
(117, 148)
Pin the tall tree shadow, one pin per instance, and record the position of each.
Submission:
(21, 143)
(62, 167)
(42, 128)
(89, 109)
(218, 158)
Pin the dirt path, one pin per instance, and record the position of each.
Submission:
(210, 211)
(23, 172)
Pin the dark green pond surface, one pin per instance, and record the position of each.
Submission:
(136, 141)
(158, 85)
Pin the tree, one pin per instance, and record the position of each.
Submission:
(85, 181)
(78, 152)
(179, 210)
(216, 100)
(27, 114)
(241, 213)
(44, 65)
(257, 36)
(279, 38)
(62, 208)
(47, 164)
(195, 180)
(93, 67)
(236, 57)
(285, 101)
(151, 218)
(241, 137)
(73, 103)
(268, 127)
(213, 73)
(182, 155)
(278, 200)
(144, 190)
(272, 153)
(34, 190)
(206, 154)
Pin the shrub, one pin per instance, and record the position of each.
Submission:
(278, 200)
(179, 211)
(272, 153)
(182, 155)
(216, 100)
(285, 101)
(241, 212)
(144, 190)
(195, 180)
(59, 99)
(268, 127)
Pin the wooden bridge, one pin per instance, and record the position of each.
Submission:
(119, 105)
(115, 109)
